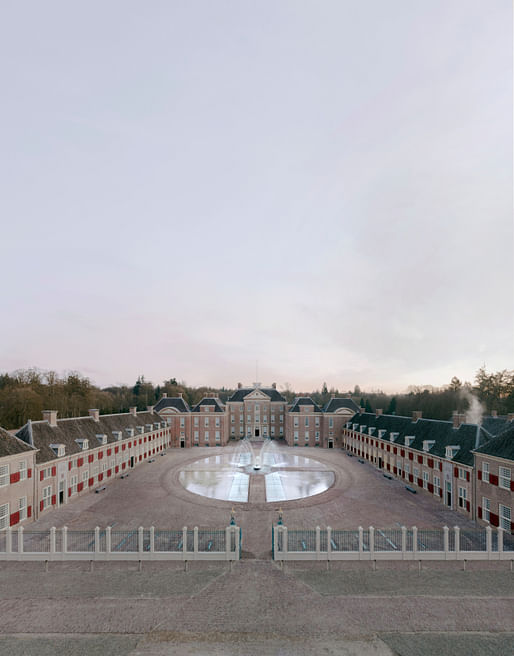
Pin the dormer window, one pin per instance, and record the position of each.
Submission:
(157, 425)
(428, 444)
(394, 436)
(140, 429)
(348, 424)
(355, 427)
(102, 439)
(58, 449)
(409, 439)
(130, 433)
(451, 451)
(148, 428)
(381, 433)
(83, 444)
(363, 428)
(371, 430)
(117, 435)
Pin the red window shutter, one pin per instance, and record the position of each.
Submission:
(430, 488)
(402, 453)
(394, 470)
(69, 465)
(69, 491)
(14, 518)
(420, 482)
(123, 465)
(129, 444)
(440, 492)
(90, 482)
(116, 449)
(467, 506)
(80, 462)
(512, 486)
(14, 478)
(479, 474)
(100, 477)
(41, 474)
(494, 519)
(430, 463)
(79, 487)
(493, 479)
(456, 472)
(41, 506)
(467, 475)
(411, 455)
(109, 451)
(123, 447)
(29, 511)
(479, 512)
(440, 466)
(395, 450)
(100, 455)
(116, 469)
(420, 459)
(29, 473)
(411, 478)
(54, 470)
(54, 499)
(91, 457)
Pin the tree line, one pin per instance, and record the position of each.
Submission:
(25, 393)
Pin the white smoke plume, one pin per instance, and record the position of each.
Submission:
(476, 410)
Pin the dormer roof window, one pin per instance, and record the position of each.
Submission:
(157, 425)
(362, 428)
(83, 444)
(102, 438)
(381, 432)
(130, 432)
(371, 430)
(355, 427)
(140, 429)
(451, 451)
(148, 427)
(409, 439)
(428, 444)
(58, 449)
(394, 436)
(117, 435)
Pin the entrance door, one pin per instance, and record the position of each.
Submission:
(257, 432)
(330, 444)
(61, 492)
(131, 462)
(380, 464)
(182, 444)
(448, 494)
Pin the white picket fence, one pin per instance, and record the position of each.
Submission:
(111, 544)
(400, 543)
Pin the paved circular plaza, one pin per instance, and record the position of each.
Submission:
(153, 495)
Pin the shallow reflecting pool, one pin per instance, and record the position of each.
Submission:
(229, 477)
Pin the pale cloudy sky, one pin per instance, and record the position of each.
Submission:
(322, 186)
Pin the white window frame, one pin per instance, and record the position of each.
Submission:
(485, 472)
(463, 497)
(425, 480)
(437, 485)
(504, 478)
(4, 516)
(486, 509)
(46, 496)
(22, 468)
(505, 517)
(5, 478)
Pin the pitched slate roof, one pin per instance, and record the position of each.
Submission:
(208, 400)
(338, 402)
(10, 445)
(68, 431)
(240, 394)
(467, 436)
(495, 425)
(172, 402)
(304, 400)
(501, 446)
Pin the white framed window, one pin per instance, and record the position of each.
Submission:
(22, 506)
(47, 496)
(206, 422)
(273, 430)
(316, 422)
(316, 436)
(306, 421)
(486, 509)
(232, 420)
(272, 418)
(232, 431)
(331, 422)
(296, 422)
(463, 493)
(505, 517)
(47, 473)
(113, 463)
(296, 436)
(217, 422)
(104, 466)
(462, 474)
(206, 436)
(4, 475)
(425, 480)
(95, 468)
(399, 466)
(249, 431)
(407, 468)
(265, 419)
(85, 477)
(23, 469)
(195, 435)
(281, 419)
(217, 435)
(241, 419)
(485, 472)
(73, 483)
(281, 430)
(504, 474)
(4, 516)
(415, 471)
(196, 421)
(248, 419)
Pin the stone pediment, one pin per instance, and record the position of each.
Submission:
(257, 395)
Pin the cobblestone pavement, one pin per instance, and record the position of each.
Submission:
(254, 606)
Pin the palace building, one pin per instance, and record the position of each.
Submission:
(466, 467)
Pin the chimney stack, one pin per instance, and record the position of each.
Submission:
(51, 417)
(458, 419)
(378, 412)
(149, 408)
(494, 413)
(239, 385)
(94, 413)
(164, 395)
(274, 385)
(361, 410)
(133, 410)
(416, 414)
(510, 416)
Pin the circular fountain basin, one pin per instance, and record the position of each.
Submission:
(228, 477)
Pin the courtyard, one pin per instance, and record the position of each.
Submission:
(255, 605)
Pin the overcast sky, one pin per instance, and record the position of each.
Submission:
(324, 186)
